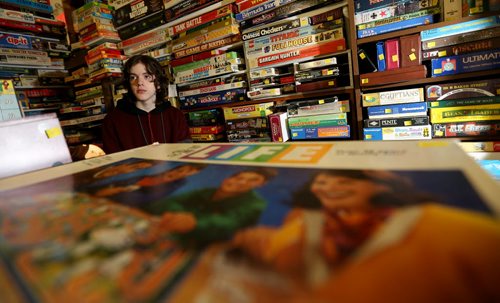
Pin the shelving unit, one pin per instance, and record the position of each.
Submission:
(33, 45)
(345, 91)
(352, 91)
(369, 42)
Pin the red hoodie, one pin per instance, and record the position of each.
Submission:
(128, 127)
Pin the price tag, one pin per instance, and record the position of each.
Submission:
(395, 58)
(413, 57)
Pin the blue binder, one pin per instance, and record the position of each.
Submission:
(380, 56)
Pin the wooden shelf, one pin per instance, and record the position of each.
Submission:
(418, 29)
(31, 66)
(280, 99)
(42, 86)
(232, 104)
(305, 95)
(324, 8)
(472, 138)
(451, 78)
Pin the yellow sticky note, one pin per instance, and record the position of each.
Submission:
(442, 53)
(362, 55)
(381, 57)
(53, 132)
(413, 57)
(431, 44)
(395, 58)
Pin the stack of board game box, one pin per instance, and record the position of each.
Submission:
(141, 26)
(32, 51)
(462, 48)
(464, 109)
(278, 35)
(33, 47)
(102, 60)
(396, 115)
(206, 125)
(378, 17)
(132, 18)
(94, 24)
(319, 119)
(207, 65)
(248, 123)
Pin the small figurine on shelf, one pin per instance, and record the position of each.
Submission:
(143, 116)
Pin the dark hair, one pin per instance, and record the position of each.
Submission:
(153, 68)
(402, 193)
(267, 172)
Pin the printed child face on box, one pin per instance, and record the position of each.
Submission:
(341, 193)
(176, 173)
(242, 182)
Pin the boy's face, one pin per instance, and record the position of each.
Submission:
(142, 83)
(242, 182)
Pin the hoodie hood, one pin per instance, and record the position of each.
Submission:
(129, 107)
